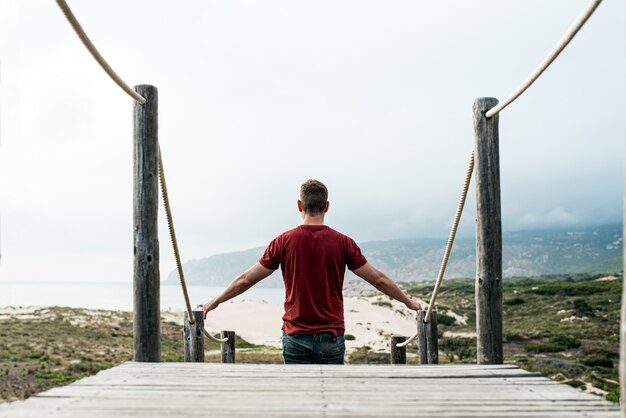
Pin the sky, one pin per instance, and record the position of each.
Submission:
(374, 98)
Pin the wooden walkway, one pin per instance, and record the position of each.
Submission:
(240, 390)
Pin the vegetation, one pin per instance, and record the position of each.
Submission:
(565, 327)
(56, 346)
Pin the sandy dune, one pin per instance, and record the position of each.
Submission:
(260, 322)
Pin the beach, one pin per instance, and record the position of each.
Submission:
(371, 320)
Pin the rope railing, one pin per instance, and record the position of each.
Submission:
(560, 46)
(140, 99)
(446, 254)
(569, 35)
(578, 24)
(170, 225)
(179, 266)
(94, 52)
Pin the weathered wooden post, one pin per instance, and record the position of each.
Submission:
(398, 354)
(488, 235)
(431, 339)
(228, 348)
(422, 345)
(194, 338)
(622, 357)
(146, 320)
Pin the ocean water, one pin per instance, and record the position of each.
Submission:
(115, 296)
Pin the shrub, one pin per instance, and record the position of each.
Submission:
(514, 336)
(613, 396)
(575, 383)
(514, 301)
(461, 347)
(444, 319)
(547, 347)
(571, 289)
(582, 308)
(601, 352)
(349, 337)
(598, 362)
(566, 341)
(558, 343)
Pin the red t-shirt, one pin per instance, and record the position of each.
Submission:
(313, 259)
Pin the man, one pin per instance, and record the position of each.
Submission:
(313, 258)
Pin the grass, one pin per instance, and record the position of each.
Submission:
(56, 346)
(563, 326)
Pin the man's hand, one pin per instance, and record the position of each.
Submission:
(209, 306)
(383, 283)
(245, 281)
(414, 306)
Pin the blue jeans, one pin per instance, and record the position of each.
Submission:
(323, 348)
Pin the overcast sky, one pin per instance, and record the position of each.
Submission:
(374, 98)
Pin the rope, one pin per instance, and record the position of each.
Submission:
(94, 52)
(214, 339)
(446, 253)
(166, 201)
(582, 19)
(179, 265)
(573, 30)
(455, 226)
(170, 225)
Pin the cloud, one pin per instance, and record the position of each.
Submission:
(373, 98)
(556, 217)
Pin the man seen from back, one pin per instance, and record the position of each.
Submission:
(313, 258)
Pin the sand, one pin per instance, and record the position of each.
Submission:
(260, 322)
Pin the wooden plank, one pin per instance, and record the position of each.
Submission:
(241, 390)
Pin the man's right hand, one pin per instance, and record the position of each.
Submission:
(414, 306)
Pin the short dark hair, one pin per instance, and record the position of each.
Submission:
(314, 196)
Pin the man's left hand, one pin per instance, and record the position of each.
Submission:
(209, 306)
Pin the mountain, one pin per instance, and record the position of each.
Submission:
(596, 249)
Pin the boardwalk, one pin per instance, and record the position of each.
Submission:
(239, 390)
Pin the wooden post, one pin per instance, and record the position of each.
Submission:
(398, 354)
(228, 348)
(194, 338)
(488, 235)
(422, 346)
(431, 339)
(622, 357)
(146, 321)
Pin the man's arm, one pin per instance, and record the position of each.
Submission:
(245, 281)
(380, 281)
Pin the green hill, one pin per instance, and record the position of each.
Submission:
(525, 253)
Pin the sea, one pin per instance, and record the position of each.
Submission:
(116, 296)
